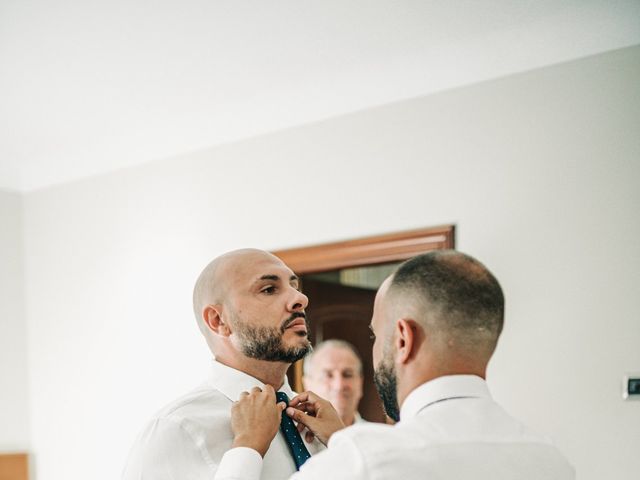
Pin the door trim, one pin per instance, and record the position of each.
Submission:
(392, 247)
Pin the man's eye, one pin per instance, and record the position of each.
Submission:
(269, 290)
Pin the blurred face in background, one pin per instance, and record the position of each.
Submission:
(335, 373)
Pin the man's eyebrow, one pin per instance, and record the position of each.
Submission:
(270, 277)
(276, 278)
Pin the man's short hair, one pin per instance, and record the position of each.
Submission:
(333, 343)
(455, 294)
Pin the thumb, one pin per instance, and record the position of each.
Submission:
(301, 417)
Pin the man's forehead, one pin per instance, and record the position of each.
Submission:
(270, 270)
(384, 288)
(274, 277)
(255, 265)
(339, 366)
(380, 302)
(335, 355)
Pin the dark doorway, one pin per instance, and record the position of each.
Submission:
(341, 280)
(341, 306)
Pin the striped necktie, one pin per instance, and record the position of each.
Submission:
(296, 446)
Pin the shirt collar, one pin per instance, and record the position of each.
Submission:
(443, 388)
(231, 382)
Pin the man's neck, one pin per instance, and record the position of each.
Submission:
(414, 377)
(269, 373)
(348, 420)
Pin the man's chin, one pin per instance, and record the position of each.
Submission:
(300, 345)
(341, 407)
(298, 341)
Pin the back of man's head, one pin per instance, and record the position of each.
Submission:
(455, 298)
(209, 289)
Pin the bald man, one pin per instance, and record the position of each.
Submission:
(436, 323)
(251, 313)
(334, 371)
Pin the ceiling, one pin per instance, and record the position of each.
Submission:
(87, 87)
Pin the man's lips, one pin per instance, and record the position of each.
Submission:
(298, 324)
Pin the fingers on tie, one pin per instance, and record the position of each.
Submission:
(300, 398)
(308, 408)
(311, 397)
(299, 416)
(294, 413)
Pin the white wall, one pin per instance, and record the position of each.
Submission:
(538, 171)
(14, 424)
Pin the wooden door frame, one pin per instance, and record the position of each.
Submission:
(387, 248)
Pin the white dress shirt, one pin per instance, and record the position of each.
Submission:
(358, 419)
(187, 439)
(450, 428)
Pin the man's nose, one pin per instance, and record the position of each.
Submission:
(298, 301)
(338, 383)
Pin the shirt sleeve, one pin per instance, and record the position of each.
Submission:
(166, 451)
(342, 460)
(240, 463)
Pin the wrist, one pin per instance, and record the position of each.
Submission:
(250, 442)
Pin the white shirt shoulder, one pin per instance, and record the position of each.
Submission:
(191, 433)
(189, 437)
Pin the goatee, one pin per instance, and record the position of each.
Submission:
(265, 343)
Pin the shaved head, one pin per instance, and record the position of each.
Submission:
(248, 301)
(454, 296)
(211, 286)
(459, 306)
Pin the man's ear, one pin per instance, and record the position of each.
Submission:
(212, 316)
(407, 340)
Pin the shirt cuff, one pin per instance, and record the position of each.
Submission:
(240, 463)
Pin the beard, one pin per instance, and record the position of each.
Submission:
(265, 343)
(386, 382)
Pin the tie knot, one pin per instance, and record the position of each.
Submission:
(282, 397)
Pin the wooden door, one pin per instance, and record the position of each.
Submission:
(343, 312)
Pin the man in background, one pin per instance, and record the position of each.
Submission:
(436, 323)
(334, 372)
(251, 313)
